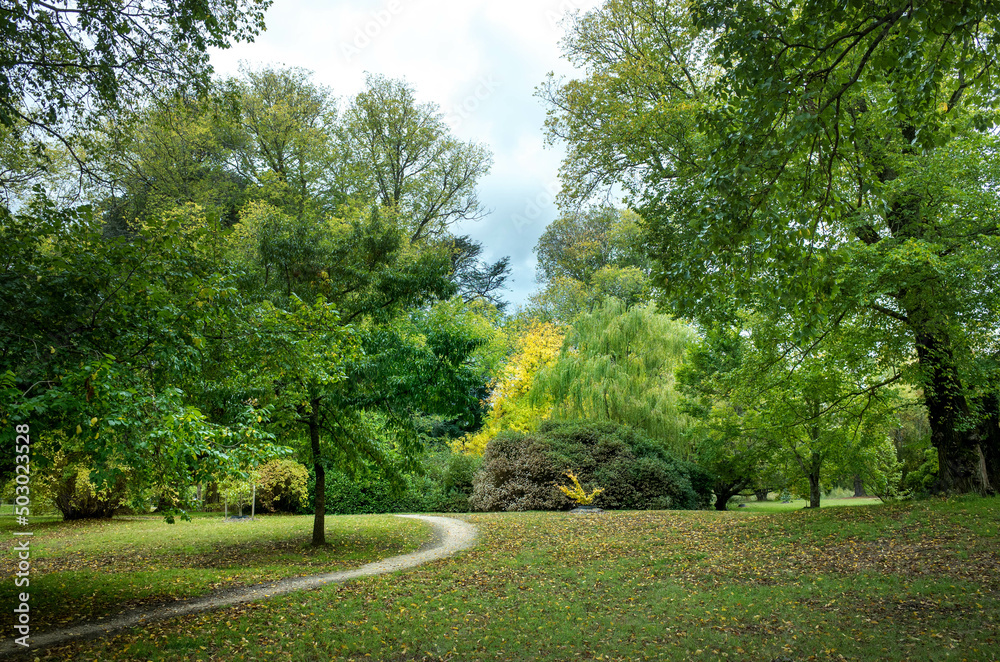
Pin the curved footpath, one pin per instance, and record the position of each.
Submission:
(449, 536)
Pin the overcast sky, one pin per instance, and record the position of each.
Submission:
(479, 60)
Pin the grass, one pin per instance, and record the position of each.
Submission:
(87, 569)
(799, 504)
(913, 581)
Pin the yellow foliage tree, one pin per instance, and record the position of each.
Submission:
(536, 347)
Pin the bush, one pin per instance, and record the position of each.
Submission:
(282, 486)
(443, 486)
(520, 470)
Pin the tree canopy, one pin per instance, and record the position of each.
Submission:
(822, 163)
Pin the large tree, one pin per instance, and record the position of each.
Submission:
(400, 153)
(106, 344)
(65, 61)
(587, 255)
(815, 160)
(617, 364)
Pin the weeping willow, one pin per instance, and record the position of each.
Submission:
(617, 364)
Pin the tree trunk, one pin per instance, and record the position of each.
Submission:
(955, 431)
(761, 494)
(725, 491)
(859, 486)
(962, 465)
(814, 488)
(989, 427)
(319, 519)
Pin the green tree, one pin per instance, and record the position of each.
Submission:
(819, 162)
(617, 364)
(105, 345)
(737, 458)
(64, 61)
(170, 153)
(586, 256)
(278, 126)
(401, 154)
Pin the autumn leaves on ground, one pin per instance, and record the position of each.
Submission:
(907, 581)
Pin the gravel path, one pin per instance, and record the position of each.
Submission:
(450, 535)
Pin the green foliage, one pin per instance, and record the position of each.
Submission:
(883, 471)
(442, 484)
(822, 164)
(109, 344)
(282, 486)
(586, 257)
(61, 61)
(617, 364)
(520, 470)
(922, 478)
(401, 155)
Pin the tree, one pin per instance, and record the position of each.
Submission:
(586, 256)
(401, 155)
(170, 153)
(105, 344)
(767, 404)
(279, 129)
(579, 245)
(737, 458)
(618, 365)
(478, 280)
(822, 163)
(64, 61)
(534, 346)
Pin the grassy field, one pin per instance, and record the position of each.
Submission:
(799, 504)
(84, 570)
(891, 582)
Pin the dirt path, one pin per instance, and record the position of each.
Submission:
(449, 536)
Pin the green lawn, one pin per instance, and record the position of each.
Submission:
(907, 581)
(83, 570)
(799, 504)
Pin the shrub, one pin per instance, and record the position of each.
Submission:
(520, 470)
(443, 486)
(282, 486)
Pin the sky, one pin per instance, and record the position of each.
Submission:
(479, 60)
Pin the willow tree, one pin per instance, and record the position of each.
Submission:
(819, 161)
(618, 364)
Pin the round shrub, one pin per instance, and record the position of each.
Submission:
(520, 470)
(282, 486)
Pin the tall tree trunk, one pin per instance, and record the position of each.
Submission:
(957, 437)
(955, 432)
(319, 519)
(859, 486)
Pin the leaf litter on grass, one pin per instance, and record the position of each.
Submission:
(890, 582)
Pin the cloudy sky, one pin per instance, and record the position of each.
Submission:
(479, 60)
